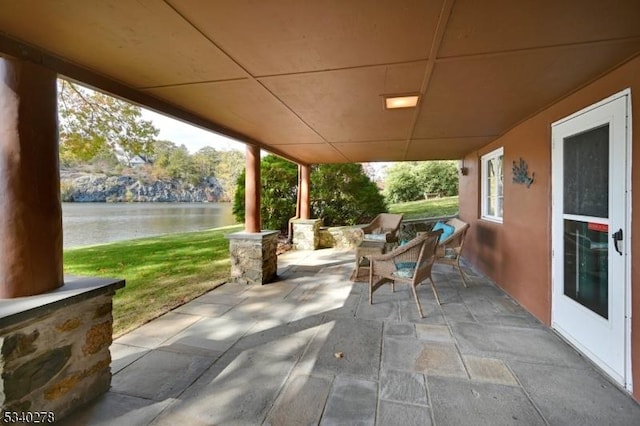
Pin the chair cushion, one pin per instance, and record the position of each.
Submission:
(404, 269)
(447, 230)
(375, 237)
(404, 273)
(450, 253)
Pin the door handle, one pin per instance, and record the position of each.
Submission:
(617, 236)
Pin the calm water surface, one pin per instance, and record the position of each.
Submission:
(97, 223)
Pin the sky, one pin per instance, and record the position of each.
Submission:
(190, 136)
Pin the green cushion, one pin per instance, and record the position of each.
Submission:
(375, 237)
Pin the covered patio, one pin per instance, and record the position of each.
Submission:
(310, 82)
(309, 349)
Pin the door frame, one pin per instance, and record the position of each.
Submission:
(626, 93)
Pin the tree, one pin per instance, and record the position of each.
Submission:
(438, 177)
(401, 183)
(206, 161)
(341, 194)
(92, 123)
(279, 181)
(172, 161)
(412, 181)
(230, 167)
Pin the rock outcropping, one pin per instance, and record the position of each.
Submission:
(84, 187)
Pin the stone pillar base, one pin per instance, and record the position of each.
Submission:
(54, 347)
(306, 234)
(253, 257)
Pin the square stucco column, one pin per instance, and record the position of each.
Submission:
(253, 256)
(306, 234)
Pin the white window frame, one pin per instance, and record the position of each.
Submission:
(484, 167)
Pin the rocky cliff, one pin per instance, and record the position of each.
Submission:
(85, 187)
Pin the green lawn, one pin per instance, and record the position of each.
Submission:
(167, 271)
(161, 272)
(445, 206)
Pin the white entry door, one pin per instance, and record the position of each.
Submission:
(590, 232)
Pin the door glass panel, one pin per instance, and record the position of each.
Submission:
(586, 265)
(586, 173)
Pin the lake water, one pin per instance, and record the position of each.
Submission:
(96, 223)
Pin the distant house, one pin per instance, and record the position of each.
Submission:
(139, 160)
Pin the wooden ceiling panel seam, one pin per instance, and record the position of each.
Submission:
(349, 68)
(441, 26)
(570, 93)
(194, 83)
(250, 75)
(201, 32)
(91, 78)
(496, 54)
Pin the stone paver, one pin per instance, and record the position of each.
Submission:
(489, 370)
(116, 409)
(396, 414)
(309, 349)
(566, 396)
(159, 375)
(462, 402)
(351, 402)
(302, 401)
(403, 386)
(154, 333)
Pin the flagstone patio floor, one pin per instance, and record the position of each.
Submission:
(310, 349)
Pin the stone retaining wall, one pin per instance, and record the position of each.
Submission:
(340, 236)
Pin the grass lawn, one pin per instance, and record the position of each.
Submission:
(445, 206)
(167, 271)
(161, 272)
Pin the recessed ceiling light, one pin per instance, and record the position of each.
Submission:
(393, 102)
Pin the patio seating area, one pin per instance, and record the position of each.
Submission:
(310, 349)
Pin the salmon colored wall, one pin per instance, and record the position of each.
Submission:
(516, 254)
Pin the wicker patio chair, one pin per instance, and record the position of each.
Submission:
(383, 227)
(410, 263)
(449, 250)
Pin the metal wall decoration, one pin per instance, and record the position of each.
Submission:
(521, 173)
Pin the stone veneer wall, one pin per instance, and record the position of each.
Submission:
(253, 257)
(59, 360)
(340, 236)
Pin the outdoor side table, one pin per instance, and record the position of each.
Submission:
(364, 249)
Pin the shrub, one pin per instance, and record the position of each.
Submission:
(341, 194)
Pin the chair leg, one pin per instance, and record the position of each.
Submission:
(415, 296)
(435, 292)
(370, 284)
(464, 281)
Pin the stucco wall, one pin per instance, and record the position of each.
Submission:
(517, 253)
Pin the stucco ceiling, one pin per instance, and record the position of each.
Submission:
(307, 79)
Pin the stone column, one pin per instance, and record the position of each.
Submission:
(306, 234)
(253, 257)
(30, 209)
(252, 220)
(305, 193)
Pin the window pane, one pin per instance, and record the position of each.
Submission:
(493, 184)
(586, 173)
